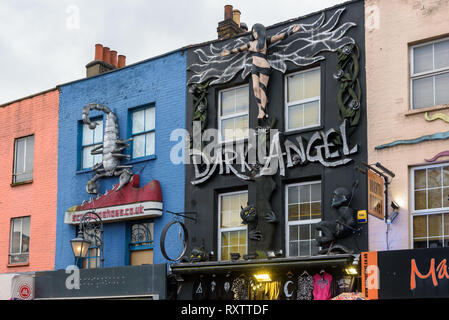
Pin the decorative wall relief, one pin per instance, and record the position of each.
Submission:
(199, 92)
(259, 52)
(250, 218)
(437, 156)
(349, 93)
(436, 116)
(111, 149)
(430, 137)
(339, 228)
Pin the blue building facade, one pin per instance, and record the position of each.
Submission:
(148, 99)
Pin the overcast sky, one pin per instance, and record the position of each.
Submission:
(47, 42)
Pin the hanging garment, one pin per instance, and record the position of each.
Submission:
(288, 288)
(224, 288)
(322, 286)
(199, 291)
(213, 289)
(240, 288)
(305, 287)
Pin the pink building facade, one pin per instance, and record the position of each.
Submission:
(28, 183)
(407, 70)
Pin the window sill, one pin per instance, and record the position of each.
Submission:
(142, 159)
(84, 171)
(426, 109)
(299, 131)
(13, 265)
(15, 184)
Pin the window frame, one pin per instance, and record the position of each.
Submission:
(82, 146)
(14, 169)
(303, 101)
(234, 115)
(21, 243)
(424, 212)
(132, 135)
(220, 230)
(425, 74)
(299, 222)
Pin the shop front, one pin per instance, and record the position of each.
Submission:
(129, 282)
(274, 185)
(314, 278)
(405, 274)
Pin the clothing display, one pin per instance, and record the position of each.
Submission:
(305, 286)
(240, 288)
(213, 288)
(322, 285)
(289, 287)
(224, 288)
(199, 291)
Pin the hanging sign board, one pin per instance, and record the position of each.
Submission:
(376, 205)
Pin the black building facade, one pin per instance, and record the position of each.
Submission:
(266, 226)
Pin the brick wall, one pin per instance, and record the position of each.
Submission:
(37, 115)
(392, 26)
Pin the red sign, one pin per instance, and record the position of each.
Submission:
(24, 291)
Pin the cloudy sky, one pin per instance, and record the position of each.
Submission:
(46, 42)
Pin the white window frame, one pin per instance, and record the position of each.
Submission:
(10, 254)
(220, 230)
(425, 74)
(234, 115)
(292, 103)
(26, 150)
(83, 125)
(144, 132)
(423, 212)
(298, 222)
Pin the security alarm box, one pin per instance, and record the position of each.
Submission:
(362, 216)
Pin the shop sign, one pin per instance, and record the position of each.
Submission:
(146, 209)
(405, 274)
(375, 195)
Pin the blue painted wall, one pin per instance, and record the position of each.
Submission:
(160, 81)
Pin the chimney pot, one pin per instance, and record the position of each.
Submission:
(236, 16)
(106, 55)
(113, 57)
(98, 52)
(228, 12)
(121, 61)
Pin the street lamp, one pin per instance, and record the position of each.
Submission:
(90, 227)
(80, 246)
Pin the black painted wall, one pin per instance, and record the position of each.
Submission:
(203, 198)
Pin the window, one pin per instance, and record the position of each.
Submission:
(19, 246)
(430, 74)
(143, 126)
(141, 243)
(233, 113)
(302, 96)
(303, 205)
(91, 139)
(231, 231)
(430, 206)
(23, 159)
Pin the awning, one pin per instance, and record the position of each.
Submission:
(247, 265)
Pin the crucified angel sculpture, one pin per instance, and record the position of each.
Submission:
(260, 69)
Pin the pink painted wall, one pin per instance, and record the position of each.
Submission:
(392, 26)
(36, 115)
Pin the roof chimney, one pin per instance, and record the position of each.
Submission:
(230, 26)
(105, 60)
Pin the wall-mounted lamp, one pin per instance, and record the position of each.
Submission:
(351, 270)
(394, 205)
(262, 277)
